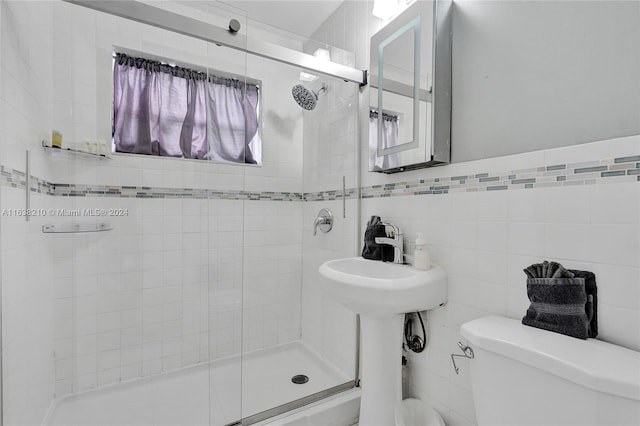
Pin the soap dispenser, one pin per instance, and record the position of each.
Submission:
(421, 258)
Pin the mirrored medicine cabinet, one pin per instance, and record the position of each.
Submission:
(410, 90)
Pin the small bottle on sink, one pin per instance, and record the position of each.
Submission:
(421, 258)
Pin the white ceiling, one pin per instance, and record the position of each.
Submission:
(301, 17)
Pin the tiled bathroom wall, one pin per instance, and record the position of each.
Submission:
(82, 103)
(27, 308)
(140, 294)
(164, 288)
(330, 170)
(486, 220)
(272, 274)
(327, 326)
(483, 238)
(27, 326)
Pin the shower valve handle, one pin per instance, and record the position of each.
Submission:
(324, 221)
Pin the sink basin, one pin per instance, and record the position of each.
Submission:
(375, 287)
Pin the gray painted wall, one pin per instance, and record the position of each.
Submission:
(531, 75)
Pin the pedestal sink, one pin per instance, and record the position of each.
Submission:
(382, 292)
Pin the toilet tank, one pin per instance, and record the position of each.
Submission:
(522, 375)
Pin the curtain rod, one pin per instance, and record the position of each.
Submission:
(165, 65)
(177, 23)
(385, 115)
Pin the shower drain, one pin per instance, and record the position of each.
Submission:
(299, 379)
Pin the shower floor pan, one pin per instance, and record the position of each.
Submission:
(205, 394)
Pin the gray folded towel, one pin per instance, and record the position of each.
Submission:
(547, 269)
(558, 304)
(591, 307)
(563, 301)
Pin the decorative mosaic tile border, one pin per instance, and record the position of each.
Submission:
(621, 169)
(17, 179)
(70, 190)
(330, 195)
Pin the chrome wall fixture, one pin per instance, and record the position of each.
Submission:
(161, 18)
(234, 26)
(396, 241)
(344, 197)
(305, 97)
(467, 353)
(324, 221)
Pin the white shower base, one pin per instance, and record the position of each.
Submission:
(206, 394)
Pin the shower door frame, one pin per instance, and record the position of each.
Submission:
(296, 403)
(1, 274)
(160, 18)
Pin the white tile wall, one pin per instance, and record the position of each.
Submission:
(172, 286)
(327, 326)
(329, 138)
(82, 81)
(133, 302)
(272, 274)
(484, 240)
(165, 288)
(28, 314)
(27, 308)
(330, 146)
(489, 237)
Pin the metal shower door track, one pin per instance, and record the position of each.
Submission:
(160, 18)
(290, 406)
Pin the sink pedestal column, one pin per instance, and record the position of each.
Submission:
(381, 358)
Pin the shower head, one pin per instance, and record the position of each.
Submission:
(306, 98)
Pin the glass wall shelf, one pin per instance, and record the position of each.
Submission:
(75, 151)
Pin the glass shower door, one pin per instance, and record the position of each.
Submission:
(139, 351)
(119, 299)
(298, 346)
(160, 290)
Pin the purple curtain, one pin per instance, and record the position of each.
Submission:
(171, 111)
(132, 87)
(232, 120)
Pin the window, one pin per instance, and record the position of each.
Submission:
(166, 110)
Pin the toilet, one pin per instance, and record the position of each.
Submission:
(522, 375)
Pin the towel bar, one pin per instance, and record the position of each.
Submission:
(76, 228)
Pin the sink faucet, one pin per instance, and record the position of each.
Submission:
(396, 241)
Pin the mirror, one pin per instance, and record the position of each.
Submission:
(410, 110)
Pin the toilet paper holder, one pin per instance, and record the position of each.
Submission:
(467, 353)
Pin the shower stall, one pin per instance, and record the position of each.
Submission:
(149, 287)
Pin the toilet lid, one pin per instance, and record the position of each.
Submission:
(592, 363)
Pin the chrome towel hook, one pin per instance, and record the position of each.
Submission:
(466, 350)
